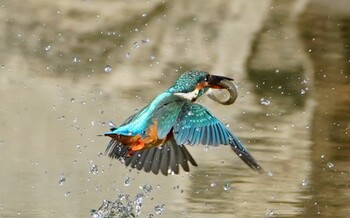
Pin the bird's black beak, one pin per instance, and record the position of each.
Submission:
(214, 81)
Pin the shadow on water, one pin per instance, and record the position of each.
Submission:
(277, 66)
(327, 37)
(290, 61)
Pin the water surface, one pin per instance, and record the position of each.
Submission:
(72, 68)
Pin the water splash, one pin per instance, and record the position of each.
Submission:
(124, 206)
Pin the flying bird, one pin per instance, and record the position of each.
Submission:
(154, 138)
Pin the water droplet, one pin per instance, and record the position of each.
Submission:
(62, 180)
(304, 183)
(159, 209)
(108, 69)
(135, 45)
(144, 15)
(271, 213)
(128, 55)
(93, 169)
(153, 57)
(190, 113)
(147, 188)
(127, 181)
(145, 40)
(47, 47)
(72, 100)
(310, 50)
(138, 203)
(111, 124)
(227, 125)
(212, 185)
(265, 101)
(227, 186)
(302, 91)
(330, 165)
(75, 60)
(66, 194)
(206, 148)
(277, 70)
(270, 173)
(99, 155)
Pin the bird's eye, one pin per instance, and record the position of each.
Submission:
(207, 78)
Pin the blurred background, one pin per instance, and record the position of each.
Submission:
(69, 67)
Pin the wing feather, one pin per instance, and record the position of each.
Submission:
(211, 132)
(167, 158)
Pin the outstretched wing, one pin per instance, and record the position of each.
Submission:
(196, 125)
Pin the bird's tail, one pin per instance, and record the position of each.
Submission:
(243, 153)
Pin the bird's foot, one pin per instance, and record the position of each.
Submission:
(139, 146)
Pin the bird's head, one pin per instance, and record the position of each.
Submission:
(192, 84)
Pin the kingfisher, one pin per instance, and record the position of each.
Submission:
(154, 138)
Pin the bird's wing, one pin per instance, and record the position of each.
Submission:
(166, 114)
(196, 125)
(166, 158)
